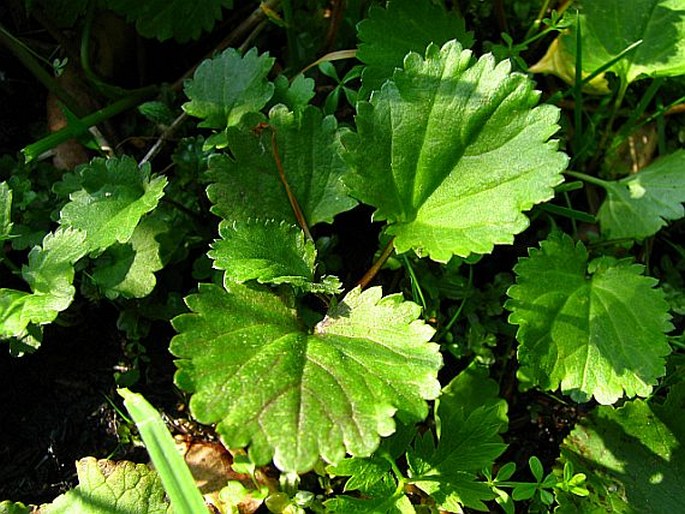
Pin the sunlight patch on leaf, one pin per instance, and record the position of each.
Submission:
(295, 396)
(128, 270)
(114, 197)
(633, 457)
(639, 205)
(592, 329)
(227, 86)
(5, 211)
(451, 151)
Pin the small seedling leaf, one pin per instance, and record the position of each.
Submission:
(226, 87)
(114, 196)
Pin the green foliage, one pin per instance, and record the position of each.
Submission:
(639, 205)
(453, 152)
(178, 19)
(228, 86)
(114, 196)
(107, 486)
(8, 507)
(607, 29)
(269, 252)
(387, 35)
(306, 144)
(369, 354)
(633, 456)
(595, 329)
(446, 137)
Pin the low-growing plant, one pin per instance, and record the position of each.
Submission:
(387, 390)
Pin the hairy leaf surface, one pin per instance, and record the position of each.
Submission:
(165, 19)
(592, 329)
(451, 151)
(114, 197)
(470, 415)
(639, 205)
(608, 28)
(269, 252)
(226, 87)
(106, 487)
(633, 457)
(404, 26)
(249, 186)
(292, 395)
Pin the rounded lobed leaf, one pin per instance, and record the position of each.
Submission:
(296, 396)
(451, 151)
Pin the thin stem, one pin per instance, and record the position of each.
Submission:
(538, 20)
(456, 315)
(414, 282)
(73, 130)
(299, 215)
(589, 178)
(375, 268)
(21, 52)
(163, 137)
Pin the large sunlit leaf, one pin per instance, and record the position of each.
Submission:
(107, 487)
(451, 151)
(294, 394)
(248, 186)
(165, 19)
(115, 194)
(470, 416)
(49, 273)
(608, 28)
(404, 26)
(593, 329)
(228, 86)
(633, 457)
(269, 252)
(639, 205)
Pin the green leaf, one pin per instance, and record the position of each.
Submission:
(5, 211)
(470, 415)
(165, 19)
(294, 95)
(226, 87)
(592, 329)
(294, 395)
(106, 487)
(114, 197)
(269, 252)
(404, 26)
(608, 28)
(8, 507)
(633, 457)
(639, 205)
(174, 473)
(249, 186)
(451, 151)
(49, 273)
(129, 269)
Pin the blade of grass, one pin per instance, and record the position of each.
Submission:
(178, 483)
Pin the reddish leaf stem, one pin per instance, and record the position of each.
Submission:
(375, 268)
